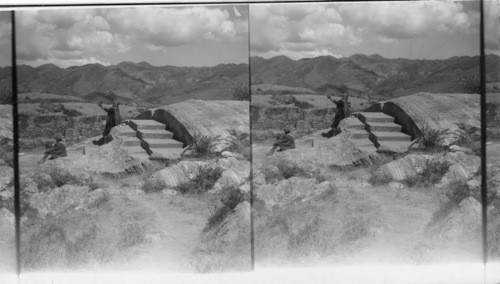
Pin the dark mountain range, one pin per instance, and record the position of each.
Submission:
(133, 82)
(373, 75)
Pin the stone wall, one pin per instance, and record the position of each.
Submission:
(36, 132)
(267, 121)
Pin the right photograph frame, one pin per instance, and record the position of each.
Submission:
(366, 133)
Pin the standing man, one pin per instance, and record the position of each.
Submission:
(343, 111)
(112, 119)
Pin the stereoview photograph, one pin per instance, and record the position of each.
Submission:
(134, 139)
(366, 133)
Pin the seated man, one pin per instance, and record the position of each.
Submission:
(284, 141)
(58, 150)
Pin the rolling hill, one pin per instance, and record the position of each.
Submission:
(373, 74)
(133, 82)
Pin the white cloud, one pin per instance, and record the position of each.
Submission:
(311, 26)
(77, 34)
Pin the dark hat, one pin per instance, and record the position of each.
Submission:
(287, 129)
(59, 137)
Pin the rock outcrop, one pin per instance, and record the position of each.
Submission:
(462, 166)
(463, 225)
(447, 113)
(216, 119)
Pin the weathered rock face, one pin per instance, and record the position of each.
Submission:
(441, 112)
(7, 228)
(337, 151)
(289, 190)
(58, 199)
(405, 167)
(177, 174)
(108, 159)
(461, 225)
(462, 166)
(207, 118)
(6, 135)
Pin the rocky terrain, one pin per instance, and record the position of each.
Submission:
(133, 82)
(103, 210)
(77, 121)
(331, 201)
(7, 230)
(374, 76)
(308, 113)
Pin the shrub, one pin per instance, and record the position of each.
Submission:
(202, 146)
(289, 169)
(202, 182)
(456, 192)
(132, 234)
(378, 178)
(61, 177)
(152, 185)
(6, 92)
(241, 91)
(472, 84)
(431, 174)
(240, 144)
(429, 139)
(232, 198)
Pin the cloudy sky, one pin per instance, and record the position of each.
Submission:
(180, 36)
(5, 39)
(424, 29)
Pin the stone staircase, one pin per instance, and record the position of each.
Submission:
(142, 138)
(377, 130)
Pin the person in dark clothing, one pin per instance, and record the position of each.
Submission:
(112, 119)
(283, 141)
(343, 111)
(56, 151)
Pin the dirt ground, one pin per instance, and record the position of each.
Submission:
(398, 231)
(176, 220)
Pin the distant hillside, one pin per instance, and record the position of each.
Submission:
(133, 82)
(372, 75)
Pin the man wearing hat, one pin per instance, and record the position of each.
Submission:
(58, 150)
(112, 119)
(284, 141)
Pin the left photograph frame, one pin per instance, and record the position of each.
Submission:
(134, 147)
(8, 268)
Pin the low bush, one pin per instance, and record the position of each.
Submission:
(202, 182)
(378, 178)
(455, 193)
(233, 196)
(429, 139)
(202, 146)
(152, 185)
(431, 174)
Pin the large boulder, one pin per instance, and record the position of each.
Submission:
(290, 190)
(58, 200)
(176, 174)
(216, 119)
(235, 172)
(461, 226)
(108, 159)
(447, 113)
(338, 151)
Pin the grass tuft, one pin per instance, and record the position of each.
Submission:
(202, 182)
